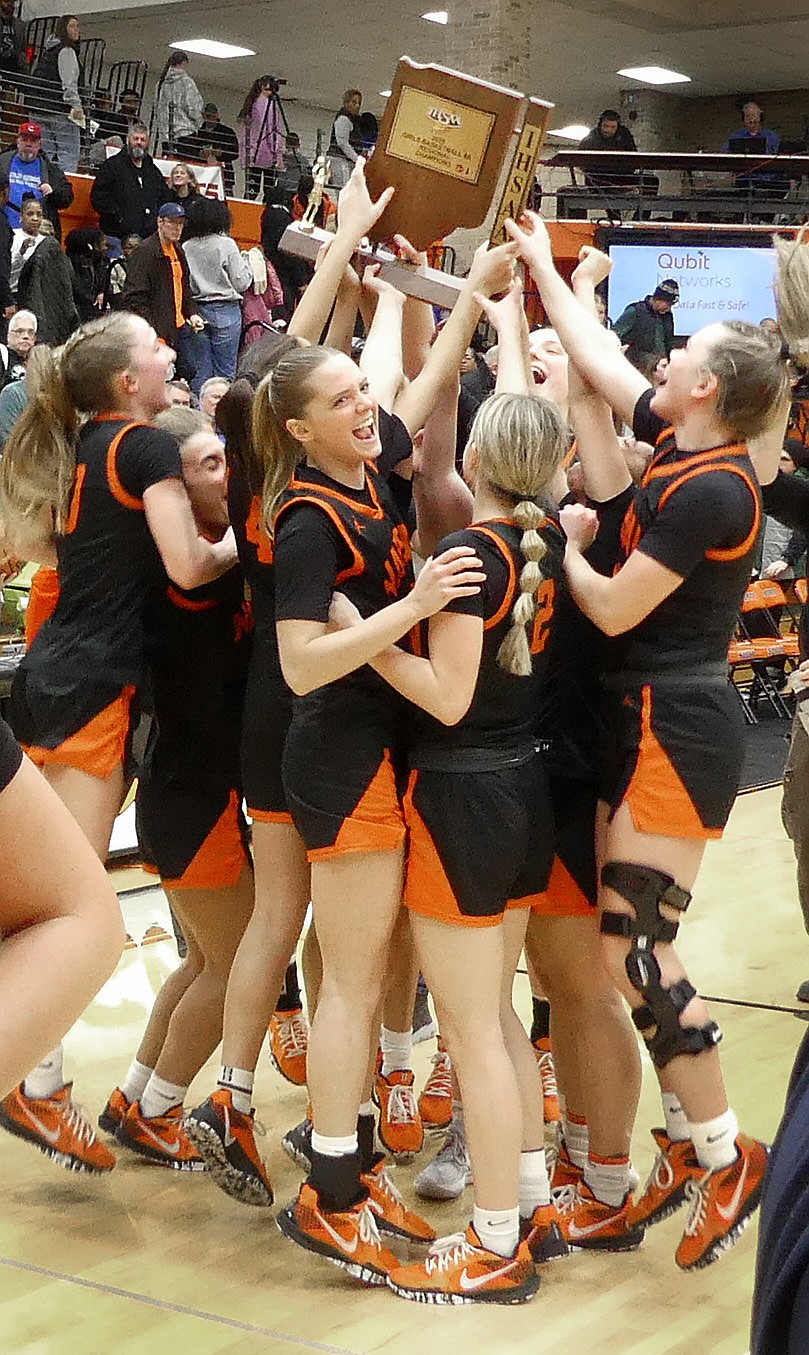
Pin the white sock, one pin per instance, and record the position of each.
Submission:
(367, 1108)
(608, 1179)
(334, 1147)
(576, 1136)
(535, 1188)
(160, 1096)
(397, 1048)
(715, 1141)
(48, 1076)
(239, 1082)
(498, 1229)
(134, 1084)
(677, 1126)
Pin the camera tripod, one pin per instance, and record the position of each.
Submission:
(274, 117)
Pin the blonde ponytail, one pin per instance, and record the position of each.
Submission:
(514, 654)
(792, 293)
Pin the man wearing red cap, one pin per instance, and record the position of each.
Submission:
(31, 172)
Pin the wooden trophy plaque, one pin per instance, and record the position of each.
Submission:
(443, 143)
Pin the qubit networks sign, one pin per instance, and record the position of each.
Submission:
(716, 282)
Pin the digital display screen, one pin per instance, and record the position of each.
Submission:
(717, 282)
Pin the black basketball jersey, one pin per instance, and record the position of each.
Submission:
(699, 515)
(110, 571)
(503, 711)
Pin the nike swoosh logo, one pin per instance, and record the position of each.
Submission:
(172, 1148)
(471, 1282)
(573, 1230)
(714, 1138)
(229, 1138)
(728, 1211)
(345, 1244)
(50, 1135)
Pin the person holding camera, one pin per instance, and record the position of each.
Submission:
(261, 135)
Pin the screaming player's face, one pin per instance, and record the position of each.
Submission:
(205, 478)
(687, 377)
(549, 365)
(340, 418)
(148, 368)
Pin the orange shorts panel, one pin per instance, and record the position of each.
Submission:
(42, 600)
(99, 747)
(269, 815)
(658, 800)
(222, 857)
(562, 898)
(427, 890)
(375, 824)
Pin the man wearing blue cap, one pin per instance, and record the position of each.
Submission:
(156, 287)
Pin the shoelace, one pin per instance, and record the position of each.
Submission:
(565, 1198)
(453, 1149)
(386, 1186)
(448, 1252)
(294, 1036)
(402, 1108)
(661, 1175)
(367, 1228)
(697, 1193)
(76, 1123)
(439, 1083)
(547, 1072)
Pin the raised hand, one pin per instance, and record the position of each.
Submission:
(532, 240)
(493, 269)
(593, 267)
(508, 312)
(580, 525)
(356, 211)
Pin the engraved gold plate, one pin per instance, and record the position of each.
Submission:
(439, 134)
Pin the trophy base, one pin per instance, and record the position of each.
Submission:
(423, 283)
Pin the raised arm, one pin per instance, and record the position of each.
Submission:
(491, 272)
(507, 318)
(605, 470)
(442, 500)
(356, 215)
(381, 359)
(189, 558)
(344, 314)
(585, 341)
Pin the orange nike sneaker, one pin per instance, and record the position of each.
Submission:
(400, 1127)
(57, 1128)
(562, 1170)
(288, 1040)
(547, 1072)
(226, 1139)
(348, 1238)
(457, 1269)
(389, 1209)
(722, 1203)
(543, 1234)
(114, 1111)
(666, 1189)
(435, 1102)
(586, 1222)
(161, 1139)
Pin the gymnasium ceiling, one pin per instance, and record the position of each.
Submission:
(321, 46)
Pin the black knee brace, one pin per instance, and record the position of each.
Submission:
(646, 888)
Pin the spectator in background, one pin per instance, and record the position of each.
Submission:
(300, 202)
(219, 276)
(22, 335)
(157, 288)
(214, 143)
(345, 141)
(118, 270)
(610, 134)
(292, 273)
(260, 135)
(44, 281)
(753, 126)
(179, 104)
(6, 235)
(86, 249)
(58, 75)
(13, 60)
(129, 189)
(182, 184)
(178, 392)
(646, 328)
(296, 164)
(210, 394)
(15, 395)
(117, 122)
(30, 171)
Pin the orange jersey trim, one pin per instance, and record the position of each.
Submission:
(657, 798)
(301, 488)
(190, 604)
(730, 552)
(562, 898)
(98, 748)
(375, 824)
(220, 860)
(257, 534)
(116, 488)
(269, 815)
(75, 499)
(511, 587)
(358, 565)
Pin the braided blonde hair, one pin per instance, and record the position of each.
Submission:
(520, 441)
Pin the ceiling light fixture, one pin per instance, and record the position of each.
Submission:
(573, 132)
(385, 93)
(436, 16)
(655, 75)
(207, 47)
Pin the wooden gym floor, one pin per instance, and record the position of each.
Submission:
(146, 1260)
